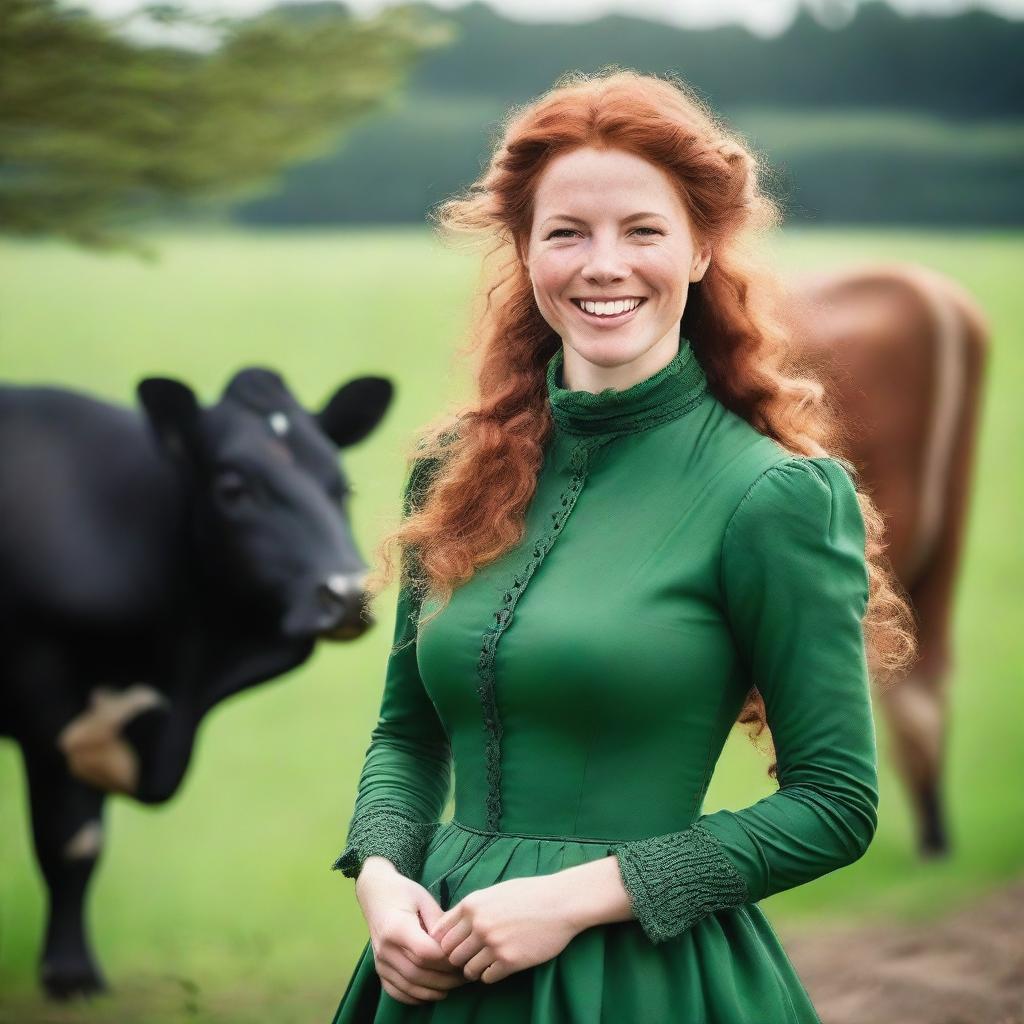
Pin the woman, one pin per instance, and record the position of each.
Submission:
(634, 536)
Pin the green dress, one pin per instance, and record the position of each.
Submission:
(581, 689)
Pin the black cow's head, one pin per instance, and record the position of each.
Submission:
(268, 497)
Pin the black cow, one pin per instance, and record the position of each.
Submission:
(152, 564)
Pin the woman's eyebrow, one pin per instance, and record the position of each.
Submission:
(625, 220)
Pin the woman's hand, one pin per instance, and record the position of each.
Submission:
(507, 927)
(411, 965)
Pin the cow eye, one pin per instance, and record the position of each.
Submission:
(231, 486)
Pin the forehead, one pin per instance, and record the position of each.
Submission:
(604, 181)
(275, 438)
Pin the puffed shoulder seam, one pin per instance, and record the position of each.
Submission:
(819, 468)
(803, 464)
(747, 494)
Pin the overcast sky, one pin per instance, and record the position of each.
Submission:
(765, 17)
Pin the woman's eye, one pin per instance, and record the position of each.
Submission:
(569, 231)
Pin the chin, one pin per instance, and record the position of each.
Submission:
(607, 352)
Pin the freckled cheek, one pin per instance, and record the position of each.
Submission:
(551, 280)
(661, 268)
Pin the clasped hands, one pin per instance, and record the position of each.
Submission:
(422, 951)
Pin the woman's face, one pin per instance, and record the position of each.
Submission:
(608, 225)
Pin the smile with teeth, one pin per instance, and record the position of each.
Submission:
(608, 310)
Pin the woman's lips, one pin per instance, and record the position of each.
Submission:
(616, 319)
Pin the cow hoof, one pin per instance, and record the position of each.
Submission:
(934, 847)
(67, 983)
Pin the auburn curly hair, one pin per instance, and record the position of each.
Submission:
(487, 456)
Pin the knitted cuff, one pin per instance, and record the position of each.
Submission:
(380, 832)
(674, 880)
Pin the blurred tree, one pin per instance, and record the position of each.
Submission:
(98, 130)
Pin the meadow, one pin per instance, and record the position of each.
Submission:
(221, 906)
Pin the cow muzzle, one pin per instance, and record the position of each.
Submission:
(335, 609)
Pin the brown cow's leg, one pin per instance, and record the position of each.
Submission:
(917, 707)
(915, 710)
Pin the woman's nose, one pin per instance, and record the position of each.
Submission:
(604, 262)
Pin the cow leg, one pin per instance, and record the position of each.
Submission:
(917, 707)
(67, 828)
(916, 713)
(66, 814)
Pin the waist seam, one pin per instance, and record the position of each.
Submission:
(531, 835)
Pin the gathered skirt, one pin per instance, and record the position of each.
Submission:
(728, 968)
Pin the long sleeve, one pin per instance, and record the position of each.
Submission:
(406, 775)
(795, 588)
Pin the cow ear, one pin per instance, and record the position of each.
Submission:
(174, 415)
(355, 409)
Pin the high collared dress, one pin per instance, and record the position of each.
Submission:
(580, 690)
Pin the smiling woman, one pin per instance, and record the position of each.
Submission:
(634, 536)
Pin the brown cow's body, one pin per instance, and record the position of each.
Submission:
(903, 349)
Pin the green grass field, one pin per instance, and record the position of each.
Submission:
(221, 906)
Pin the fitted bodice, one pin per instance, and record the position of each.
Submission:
(588, 679)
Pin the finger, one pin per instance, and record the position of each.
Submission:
(456, 934)
(429, 978)
(397, 994)
(434, 959)
(419, 946)
(494, 972)
(391, 981)
(443, 923)
(408, 989)
(465, 951)
(430, 910)
(478, 963)
(435, 962)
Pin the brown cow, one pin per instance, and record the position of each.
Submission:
(902, 349)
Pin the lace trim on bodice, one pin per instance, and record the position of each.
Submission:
(579, 461)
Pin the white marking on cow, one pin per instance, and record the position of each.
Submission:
(947, 404)
(917, 719)
(279, 423)
(86, 843)
(92, 741)
(344, 584)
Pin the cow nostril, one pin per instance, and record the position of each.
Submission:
(331, 598)
(342, 590)
(345, 610)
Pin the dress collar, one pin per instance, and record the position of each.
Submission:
(672, 391)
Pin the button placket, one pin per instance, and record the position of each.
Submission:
(579, 461)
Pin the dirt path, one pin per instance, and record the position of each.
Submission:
(967, 968)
